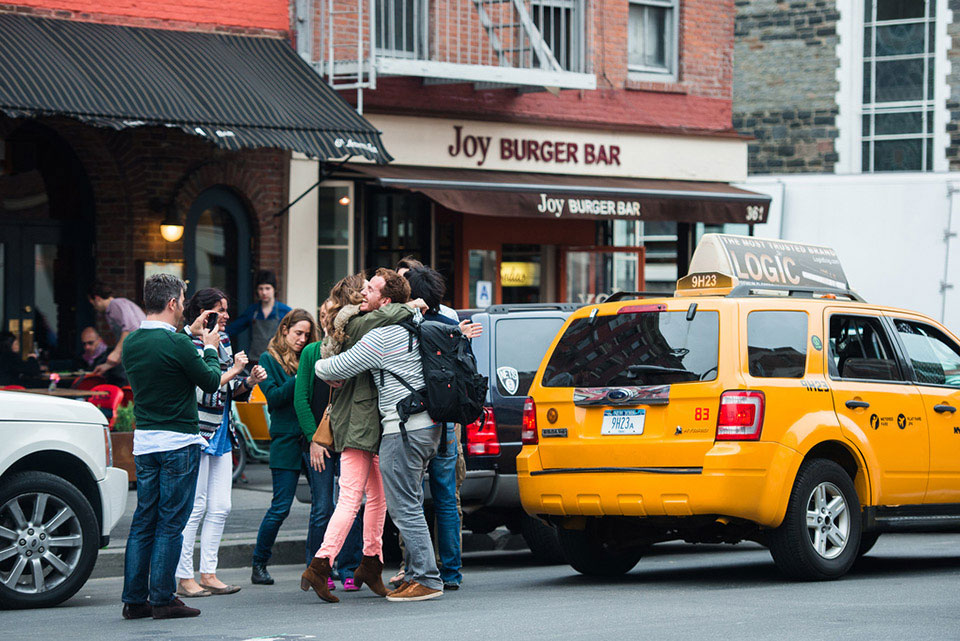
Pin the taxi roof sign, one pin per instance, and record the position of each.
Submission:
(765, 262)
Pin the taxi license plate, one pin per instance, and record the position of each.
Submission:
(623, 421)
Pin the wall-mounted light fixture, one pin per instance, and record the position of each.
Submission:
(171, 228)
(344, 200)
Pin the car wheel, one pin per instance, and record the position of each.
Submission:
(542, 539)
(820, 534)
(48, 540)
(239, 459)
(589, 554)
(867, 541)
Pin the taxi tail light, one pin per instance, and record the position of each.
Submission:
(741, 416)
(528, 433)
(482, 439)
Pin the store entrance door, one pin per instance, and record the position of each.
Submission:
(591, 274)
(527, 274)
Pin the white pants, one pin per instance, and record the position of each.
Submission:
(212, 504)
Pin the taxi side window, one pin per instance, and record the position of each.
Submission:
(935, 358)
(860, 349)
(777, 344)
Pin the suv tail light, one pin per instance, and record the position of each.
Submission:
(741, 416)
(482, 437)
(528, 434)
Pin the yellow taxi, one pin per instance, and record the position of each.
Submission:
(764, 401)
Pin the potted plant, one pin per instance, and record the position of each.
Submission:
(121, 439)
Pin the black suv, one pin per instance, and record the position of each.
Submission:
(514, 341)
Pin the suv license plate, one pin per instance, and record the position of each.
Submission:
(623, 421)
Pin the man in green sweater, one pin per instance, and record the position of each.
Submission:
(164, 370)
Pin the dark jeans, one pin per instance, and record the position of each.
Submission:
(166, 484)
(321, 507)
(443, 489)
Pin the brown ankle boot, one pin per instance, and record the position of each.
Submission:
(316, 577)
(370, 571)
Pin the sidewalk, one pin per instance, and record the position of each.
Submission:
(250, 503)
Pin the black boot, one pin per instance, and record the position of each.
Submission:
(260, 576)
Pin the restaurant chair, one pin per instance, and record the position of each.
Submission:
(127, 395)
(107, 402)
(13, 388)
(88, 382)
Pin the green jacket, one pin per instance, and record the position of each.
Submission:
(355, 416)
(284, 427)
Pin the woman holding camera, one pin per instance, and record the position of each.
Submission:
(208, 307)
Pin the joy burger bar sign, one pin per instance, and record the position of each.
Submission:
(480, 148)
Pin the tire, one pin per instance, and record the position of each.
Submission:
(542, 540)
(239, 459)
(587, 553)
(66, 518)
(867, 541)
(824, 491)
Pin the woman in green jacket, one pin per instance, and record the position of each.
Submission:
(288, 453)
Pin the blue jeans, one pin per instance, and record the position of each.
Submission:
(166, 483)
(321, 507)
(443, 488)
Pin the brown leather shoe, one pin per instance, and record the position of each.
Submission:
(415, 592)
(370, 571)
(400, 588)
(315, 576)
(174, 610)
(137, 610)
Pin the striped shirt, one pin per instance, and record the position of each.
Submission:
(389, 349)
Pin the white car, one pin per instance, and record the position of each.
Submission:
(59, 497)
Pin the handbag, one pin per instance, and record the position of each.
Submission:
(324, 434)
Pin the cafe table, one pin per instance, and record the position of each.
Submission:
(66, 393)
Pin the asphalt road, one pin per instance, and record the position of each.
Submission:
(905, 588)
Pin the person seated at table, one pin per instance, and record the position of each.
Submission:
(14, 370)
(95, 352)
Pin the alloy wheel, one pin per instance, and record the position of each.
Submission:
(828, 520)
(40, 542)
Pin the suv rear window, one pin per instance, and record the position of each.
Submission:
(646, 348)
(777, 344)
(521, 345)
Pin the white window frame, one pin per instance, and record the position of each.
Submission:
(849, 97)
(577, 44)
(351, 215)
(655, 74)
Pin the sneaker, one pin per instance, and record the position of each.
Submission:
(137, 610)
(397, 579)
(400, 588)
(174, 610)
(349, 585)
(331, 584)
(415, 592)
(451, 586)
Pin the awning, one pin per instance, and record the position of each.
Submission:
(236, 91)
(530, 195)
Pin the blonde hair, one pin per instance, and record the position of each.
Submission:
(348, 291)
(278, 347)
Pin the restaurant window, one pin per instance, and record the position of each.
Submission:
(652, 38)
(483, 277)
(397, 225)
(334, 234)
(898, 85)
(560, 22)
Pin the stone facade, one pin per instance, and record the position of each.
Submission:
(784, 84)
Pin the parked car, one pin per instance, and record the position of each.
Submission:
(790, 414)
(59, 497)
(515, 339)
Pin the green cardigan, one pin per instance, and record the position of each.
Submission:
(355, 416)
(285, 452)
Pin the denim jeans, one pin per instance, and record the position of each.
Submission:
(166, 483)
(321, 507)
(443, 489)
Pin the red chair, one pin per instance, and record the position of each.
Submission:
(127, 395)
(108, 402)
(13, 388)
(88, 382)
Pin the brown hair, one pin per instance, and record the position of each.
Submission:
(278, 347)
(395, 286)
(408, 262)
(348, 291)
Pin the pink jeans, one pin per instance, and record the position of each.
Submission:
(359, 475)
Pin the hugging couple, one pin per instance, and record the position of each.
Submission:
(363, 340)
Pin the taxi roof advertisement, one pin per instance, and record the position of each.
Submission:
(762, 261)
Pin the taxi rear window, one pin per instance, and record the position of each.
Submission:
(646, 348)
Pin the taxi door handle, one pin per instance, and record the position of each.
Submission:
(943, 407)
(858, 405)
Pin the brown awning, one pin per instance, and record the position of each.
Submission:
(530, 195)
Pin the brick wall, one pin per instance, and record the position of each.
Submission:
(238, 16)
(700, 101)
(784, 84)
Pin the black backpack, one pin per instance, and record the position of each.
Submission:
(454, 391)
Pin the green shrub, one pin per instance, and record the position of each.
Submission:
(125, 421)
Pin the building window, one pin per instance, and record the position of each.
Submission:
(398, 28)
(334, 236)
(560, 22)
(898, 85)
(652, 37)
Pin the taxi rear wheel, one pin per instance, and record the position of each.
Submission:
(820, 534)
(589, 553)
